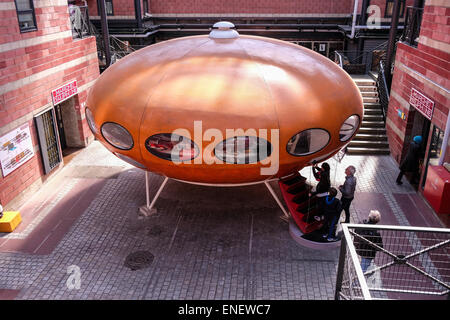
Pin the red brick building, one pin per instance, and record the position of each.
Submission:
(47, 64)
(420, 93)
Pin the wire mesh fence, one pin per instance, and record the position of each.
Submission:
(393, 262)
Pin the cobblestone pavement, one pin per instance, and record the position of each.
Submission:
(207, 243)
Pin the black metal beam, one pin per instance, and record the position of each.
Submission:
(392, 40)
(138, 13)
(105, 32)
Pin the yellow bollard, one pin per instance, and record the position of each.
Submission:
(10, 221)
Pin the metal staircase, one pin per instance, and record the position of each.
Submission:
(371, 137)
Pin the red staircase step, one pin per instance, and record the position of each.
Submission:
(295, 189)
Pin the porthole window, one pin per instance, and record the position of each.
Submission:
(117, 136)
(90, 121)
(308, 142)
(349, 127)
(243, 150)
(171, 146)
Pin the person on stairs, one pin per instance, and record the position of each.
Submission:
(322, 175)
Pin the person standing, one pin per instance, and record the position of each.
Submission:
(348, 191)
(330, 209)
(323, 176)
(411, 162)
(368, 249)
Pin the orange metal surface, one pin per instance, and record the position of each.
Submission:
(249, 82)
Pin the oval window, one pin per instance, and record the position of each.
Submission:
(90, 121)
(307, 142)
(117, 135)
(243, 150)
(171, 146)
(349, 127)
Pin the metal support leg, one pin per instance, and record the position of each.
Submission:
(274, 195)
(148, 209)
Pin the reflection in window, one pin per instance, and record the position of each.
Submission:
(307, 142)
(349, 127)
(390, 8)
(25, 15)
(117, 136)
(170, 146)
(243, 150)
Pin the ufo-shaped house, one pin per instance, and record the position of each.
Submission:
(224, 108)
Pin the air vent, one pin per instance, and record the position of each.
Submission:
(223, 30)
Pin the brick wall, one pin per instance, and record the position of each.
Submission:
(126, 7)
(425, 68)
(32, 64)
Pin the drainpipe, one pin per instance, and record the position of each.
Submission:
(445, 142)
(391, 44)
(355, 10)
(138, 13)
(363, 18)
(105, 32)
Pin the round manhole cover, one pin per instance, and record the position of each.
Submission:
(139, 260)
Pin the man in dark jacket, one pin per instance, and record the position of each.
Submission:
(348, 191)
(367, 250)
(411, 162)
(330, 209)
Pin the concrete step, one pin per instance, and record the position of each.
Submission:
(369, 144)
(367, 151)
(367, 88)
(372, 130)
(372, 124)
(373, 112)
(369, 94)
(373, 117)
(371, 106)
(372, 137)
(363, 82)
(370, 100)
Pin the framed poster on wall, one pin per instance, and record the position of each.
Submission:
(16, 148)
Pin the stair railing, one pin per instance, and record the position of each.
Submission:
(383, 91)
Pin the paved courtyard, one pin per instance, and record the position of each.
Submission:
(204, 243)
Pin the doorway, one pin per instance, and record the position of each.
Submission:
(420, 127)
(67, 124)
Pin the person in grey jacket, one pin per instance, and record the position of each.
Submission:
(348, 191)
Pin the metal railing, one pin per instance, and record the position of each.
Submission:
(409, 263)
(359, 62)
(79, 20)
(383, 90)
(413, 22)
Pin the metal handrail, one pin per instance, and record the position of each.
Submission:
(383, 90)
(79, 19)
(338, 56)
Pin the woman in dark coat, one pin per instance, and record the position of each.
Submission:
(411, 162)
(323, 176)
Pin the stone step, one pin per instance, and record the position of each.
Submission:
(370, 100)
(367, 88)
(369, 94)
(372, 130)
(373, 117)
(364, 82)
(372, 137)
(372, 144)
(371, 106)
(372, 124)
(372, 112)
(366, 151)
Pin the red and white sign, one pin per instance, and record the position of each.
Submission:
(422, 103)
(65, 92)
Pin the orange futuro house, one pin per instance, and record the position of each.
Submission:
(174, 108)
